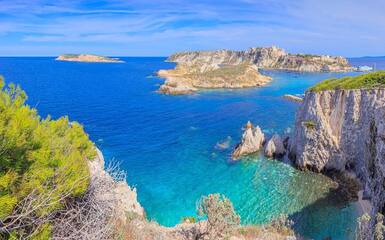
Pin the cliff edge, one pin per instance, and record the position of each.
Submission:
(344, 129)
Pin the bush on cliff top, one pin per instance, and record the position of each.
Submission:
(38, 157)
(370, 80)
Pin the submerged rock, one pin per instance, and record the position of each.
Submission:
(224, 144)
(275, 147)
(252, 140)
(293, 98)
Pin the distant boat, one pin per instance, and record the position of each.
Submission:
(365, 69)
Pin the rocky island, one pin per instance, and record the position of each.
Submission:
(87, 58)
(188, 78)
(239, 69)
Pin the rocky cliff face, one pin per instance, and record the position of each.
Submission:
(265, 57)
(119, 194)
(344, 130)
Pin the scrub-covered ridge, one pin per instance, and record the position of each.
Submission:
(365, 81)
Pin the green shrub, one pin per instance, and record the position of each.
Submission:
(309, 124)
(370, 80)
(43, 157)
(189, 219)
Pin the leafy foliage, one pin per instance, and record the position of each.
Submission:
(370, 80)
(379, 227)
(309, 124)
(220, 214)
(40, 155)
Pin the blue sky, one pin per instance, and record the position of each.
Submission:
(161, 27)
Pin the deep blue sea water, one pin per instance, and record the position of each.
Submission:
(167, 144)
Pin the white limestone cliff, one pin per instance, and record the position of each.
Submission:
(344, 130)
(274, 147)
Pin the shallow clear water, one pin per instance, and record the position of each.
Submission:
(167, 144)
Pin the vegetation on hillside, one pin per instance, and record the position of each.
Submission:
(370, 80)
(38, 157)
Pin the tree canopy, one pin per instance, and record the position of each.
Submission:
(43, 157)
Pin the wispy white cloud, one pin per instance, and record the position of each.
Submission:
(147, 27)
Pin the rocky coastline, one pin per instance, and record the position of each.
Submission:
(267, 58)
(344, 131)
(341, 133)
(239, 69)
(186, 78)
(131, 219)
(87, 58)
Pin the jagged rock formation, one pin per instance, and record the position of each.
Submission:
(188, 78)
(275, 147)
(344, 130)
(252, 140)
(263, 57)
(86, 58)
(123, 196)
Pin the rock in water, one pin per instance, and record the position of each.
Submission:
(275, 147)
(293, 98)
(252, 140)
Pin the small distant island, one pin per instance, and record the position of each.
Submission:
(239, 69)
(87, 58)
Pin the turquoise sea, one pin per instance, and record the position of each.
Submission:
(167, 144)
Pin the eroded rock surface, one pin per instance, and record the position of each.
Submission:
(344, 130)
(120, 194)
(252, 140)
(274, 147)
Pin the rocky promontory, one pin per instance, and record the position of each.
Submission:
(188, 78)
(341, 127)
(87, 58)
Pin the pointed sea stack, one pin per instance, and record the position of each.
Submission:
(252, 140)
